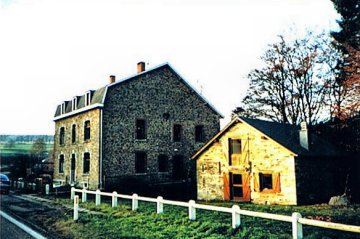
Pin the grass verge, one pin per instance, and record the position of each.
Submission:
(121, 222)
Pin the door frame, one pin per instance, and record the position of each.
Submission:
(245, 185)
(72, 169)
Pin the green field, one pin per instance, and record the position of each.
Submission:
(121, 222)
(20, 148)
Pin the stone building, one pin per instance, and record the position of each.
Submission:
(265, 162)
(141, 129)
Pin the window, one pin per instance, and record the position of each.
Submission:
(140, 162)
(163, 163)
(62, 136)
(140, 129)
(74, 103)
(73, 133)
(87, 130)
(61, 163)
(265, 181)
(177, 132)
(199, 133)
(234, 152)
(268, 182)
(87, 98)
(86, 164)
(63, 107)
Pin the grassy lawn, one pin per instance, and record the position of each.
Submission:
(121, 222)
(19, 148)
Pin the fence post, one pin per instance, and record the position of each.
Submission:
(97, 198)
(76, 207)
(236, 220)
(114, 200)
(135, 202)
(72, 194)
(83, 199)
(159, 205)
(47, 189)
(192, 210)
(297, 231)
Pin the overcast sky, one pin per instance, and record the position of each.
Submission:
(52, 50)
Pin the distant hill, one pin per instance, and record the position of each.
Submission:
(26, 138)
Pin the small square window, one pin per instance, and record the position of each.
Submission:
(266, 182)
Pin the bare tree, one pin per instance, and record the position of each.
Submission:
(293, 84)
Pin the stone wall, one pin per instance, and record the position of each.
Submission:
(78, 148)
(259, 154)
(162, 99)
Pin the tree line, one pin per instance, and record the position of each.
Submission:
(26, 138)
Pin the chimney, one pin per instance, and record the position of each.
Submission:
(140, 67)
(304, 136)
(112, 79)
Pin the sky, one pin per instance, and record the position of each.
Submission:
(52, 50)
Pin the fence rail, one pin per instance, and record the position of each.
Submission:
(295, 219)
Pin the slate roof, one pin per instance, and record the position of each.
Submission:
(286, 135)
(98, 96)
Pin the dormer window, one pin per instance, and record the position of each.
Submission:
(87, 98)
(74, 103)
(63, 107)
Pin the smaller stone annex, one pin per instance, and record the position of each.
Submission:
(264, 162)
(135, 133)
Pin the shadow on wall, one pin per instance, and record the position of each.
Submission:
(178, 190)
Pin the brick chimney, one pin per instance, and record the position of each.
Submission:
(112, 79)
(304, 136)
(140, 67)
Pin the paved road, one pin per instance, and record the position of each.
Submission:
(8, 230)
(31, 213)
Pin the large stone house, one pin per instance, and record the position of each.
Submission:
(142, 128)
(264, 162)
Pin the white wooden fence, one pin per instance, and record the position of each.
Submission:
(296, 220)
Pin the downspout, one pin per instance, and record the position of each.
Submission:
(100, 150)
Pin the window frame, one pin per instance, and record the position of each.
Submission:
(199, 133)
(61, 163)
(275, 182)
(62, 136)
(177, 132)
(231, 151)
(140, 129)
(73, 133)
(86, 162)
(87, 130)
